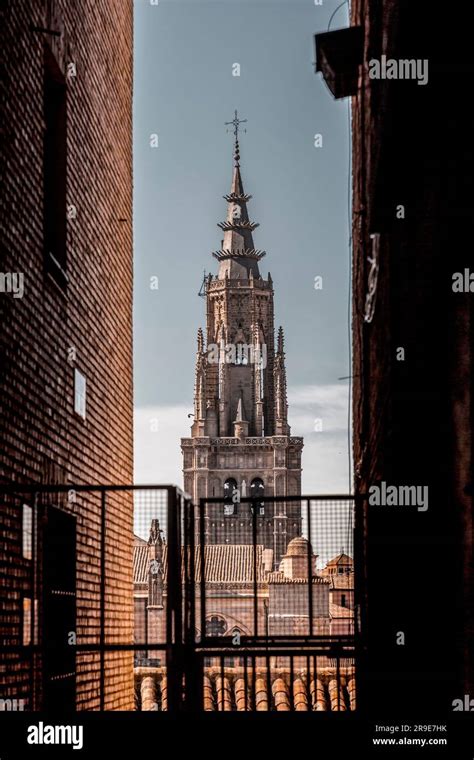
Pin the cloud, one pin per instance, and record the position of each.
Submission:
(325, 457)
(158, 430)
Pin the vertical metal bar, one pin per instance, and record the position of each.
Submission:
(308, 679)
(34, 594)
(199, 665)
(255, 582)
(338, 681)
(170, 576)
(269, 682)
(179, 601)
(102, 596)
(292, 688)
(194, 681)
(146, 632)
(254, 684)
(310, 570)
(174, 654)
(222, 672)
(192, 574)
(360, 600)
(202, 508)
(246, 683)
(177, 499)
(315, 678)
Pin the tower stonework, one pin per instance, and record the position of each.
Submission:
(240, 442)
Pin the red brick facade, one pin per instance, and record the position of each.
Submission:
(56, 328)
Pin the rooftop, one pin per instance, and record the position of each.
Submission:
(224, 563)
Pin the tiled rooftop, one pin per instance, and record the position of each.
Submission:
(227, 563)
(224, 563)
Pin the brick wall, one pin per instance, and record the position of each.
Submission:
(40, 434)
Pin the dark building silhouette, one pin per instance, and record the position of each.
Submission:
(413, 205)
(65, 347)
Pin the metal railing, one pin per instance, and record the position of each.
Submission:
(83, 623)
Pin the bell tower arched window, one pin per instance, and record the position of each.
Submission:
(241, 354)
(230, 497)
(257, 489)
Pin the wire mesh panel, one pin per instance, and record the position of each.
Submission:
(125, 598)
(87, 594)
(150, 553)
(329, 525)
(289, 571)
(18, 601)
(273, 571)
(57, 598)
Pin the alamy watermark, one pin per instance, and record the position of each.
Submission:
(46, 734)
(399, 496)
(465, 705)
(240, 353)
(463, 282)
(405, 68)
(12, 282)
(12, 705)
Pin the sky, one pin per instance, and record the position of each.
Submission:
(184, 91)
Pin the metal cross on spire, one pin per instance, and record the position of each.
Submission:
(235, 122)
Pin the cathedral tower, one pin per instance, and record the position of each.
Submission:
(240, 438)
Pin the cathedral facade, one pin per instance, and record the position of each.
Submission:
(240, 442)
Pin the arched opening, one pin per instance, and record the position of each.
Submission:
(230, 497)
(257, 490)
(241, 354)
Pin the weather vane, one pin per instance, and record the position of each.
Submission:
(235, 123)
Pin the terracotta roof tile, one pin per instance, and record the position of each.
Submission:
(140, 563)
(224, 563)
(230, 563)
(339, 558)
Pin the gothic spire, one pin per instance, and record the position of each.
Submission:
(240, 416)
(281, 341)
(237, 256)
(200, 340)
(199, 384)
(281, 401)
(241, 426)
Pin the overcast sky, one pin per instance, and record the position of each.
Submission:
(184, 91)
